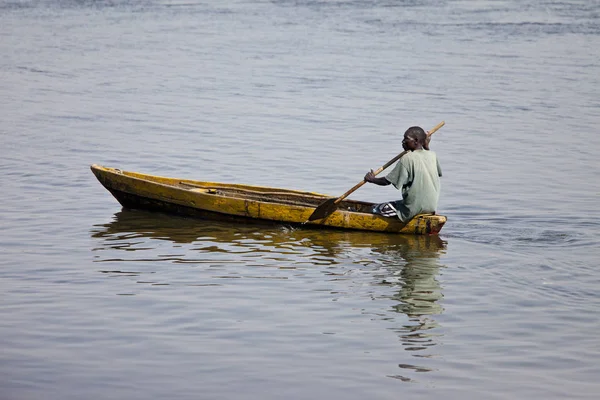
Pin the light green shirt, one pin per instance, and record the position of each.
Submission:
(417, 175)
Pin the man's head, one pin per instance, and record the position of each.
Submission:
(415, 138)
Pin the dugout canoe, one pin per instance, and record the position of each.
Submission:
(247, 203)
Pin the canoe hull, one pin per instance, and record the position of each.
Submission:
(135, 202)
(245, 203)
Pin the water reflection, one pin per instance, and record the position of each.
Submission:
(407, 261)
(131, 224)
(404, 268)
(412, 266)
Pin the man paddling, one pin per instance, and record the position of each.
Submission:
(417, 174)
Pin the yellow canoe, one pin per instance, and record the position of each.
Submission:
(245, 203)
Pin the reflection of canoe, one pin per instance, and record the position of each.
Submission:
(133, 224)
(237, 202)
(138, 229)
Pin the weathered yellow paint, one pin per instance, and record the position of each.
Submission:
(255, 202)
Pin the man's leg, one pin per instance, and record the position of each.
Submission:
(385, 209)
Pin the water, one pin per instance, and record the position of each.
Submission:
(99, 302)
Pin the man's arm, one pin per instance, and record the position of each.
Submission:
(370, 177)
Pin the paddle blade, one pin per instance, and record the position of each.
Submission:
(324, 210)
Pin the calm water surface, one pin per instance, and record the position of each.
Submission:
(104, 303)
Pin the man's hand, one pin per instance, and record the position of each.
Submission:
(371, 178)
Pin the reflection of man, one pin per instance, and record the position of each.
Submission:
(413, 263)
(419, 289)
(420, 292)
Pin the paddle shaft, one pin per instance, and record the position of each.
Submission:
(387, 164)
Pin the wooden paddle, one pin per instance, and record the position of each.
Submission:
(327, 208)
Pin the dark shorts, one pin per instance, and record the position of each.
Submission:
(386, 209)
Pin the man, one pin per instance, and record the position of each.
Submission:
(417, 174)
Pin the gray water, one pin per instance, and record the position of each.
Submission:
(103, 303)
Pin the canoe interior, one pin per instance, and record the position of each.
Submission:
(250, 192)
(279, 196)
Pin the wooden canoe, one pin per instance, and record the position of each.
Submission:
(245, 203)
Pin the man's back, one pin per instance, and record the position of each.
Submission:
(417, 175)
